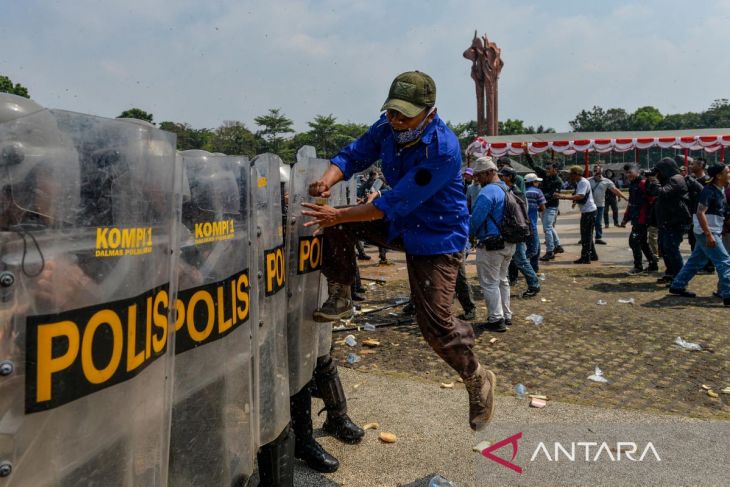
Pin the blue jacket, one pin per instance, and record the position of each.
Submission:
(488, 211)
(426, 205)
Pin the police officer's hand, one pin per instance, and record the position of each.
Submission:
(372, 197)
(322, 215)
(319, 189)
(62, 282)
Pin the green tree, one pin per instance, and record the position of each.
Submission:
(273, 125)
(646, 118)
(600, 120)
(188, 137)
(137, 113)
(234, 138)
(7, 86)
(466, 132)
(348, 132)
(718, 115)
(323, 132)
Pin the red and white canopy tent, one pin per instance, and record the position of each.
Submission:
(709, 140)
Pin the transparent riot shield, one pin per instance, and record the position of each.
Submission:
(86, 239)
(304, 260)
(211, 435)
(351, 191)
(339, 195)
(271, 375)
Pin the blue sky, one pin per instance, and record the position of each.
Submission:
(204, 62)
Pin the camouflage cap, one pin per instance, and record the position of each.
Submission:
(411, 93)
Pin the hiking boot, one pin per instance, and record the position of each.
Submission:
(358, 296)
(338, 305)
(582, 261)
(665, 279)
(409, 309)
(384, 262)
(636, 270)
(531, 292)
(682, 292)
(547, 257)
(653, 267)
(363, 257)
(600, 242)
(480, 387)
(495, 326)
(468, 315)
(594, 257)
(508, 322)
(559, 250)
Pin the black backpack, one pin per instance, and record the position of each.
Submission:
(515, 226)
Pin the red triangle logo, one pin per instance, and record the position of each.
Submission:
(512, 440)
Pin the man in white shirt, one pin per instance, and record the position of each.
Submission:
(583, 196)
(599, 187)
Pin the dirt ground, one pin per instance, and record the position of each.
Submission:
(633, 344)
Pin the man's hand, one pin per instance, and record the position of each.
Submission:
(710, 239)
(372, 196)
(319, 189)
(62, 282)
(323, 216)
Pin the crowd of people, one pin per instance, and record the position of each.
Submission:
(663, 206)
(437, 212)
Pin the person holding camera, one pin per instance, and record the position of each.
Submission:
(493, 253)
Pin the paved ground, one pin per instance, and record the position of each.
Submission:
(434, 438)
(632, 343)
(652, 381)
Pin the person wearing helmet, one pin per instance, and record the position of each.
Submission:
(424, 214)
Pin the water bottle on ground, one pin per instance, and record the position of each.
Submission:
(520, 391)
(439, 481)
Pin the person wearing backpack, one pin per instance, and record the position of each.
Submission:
(520, 225)
(583, 196)
(494, 206)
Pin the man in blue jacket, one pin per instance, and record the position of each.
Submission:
(424, 214)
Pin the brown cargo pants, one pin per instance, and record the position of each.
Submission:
(433, 282)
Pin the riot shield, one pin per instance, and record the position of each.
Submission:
(271, 375)
(351, 191)
(304, 259)
(211, 435)
(86, 239)
(340, 193)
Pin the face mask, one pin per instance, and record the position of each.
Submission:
(409, 135)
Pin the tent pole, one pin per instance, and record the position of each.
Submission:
(585, 161)
(686, 158)
(722, 154)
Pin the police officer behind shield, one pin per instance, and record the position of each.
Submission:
(424, 214)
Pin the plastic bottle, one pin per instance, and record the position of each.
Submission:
(439, 481)
(520, 391)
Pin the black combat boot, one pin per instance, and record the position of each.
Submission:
(306, 447)
(329, 387)
(276, 461)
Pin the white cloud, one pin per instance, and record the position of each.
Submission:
(205, 62)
